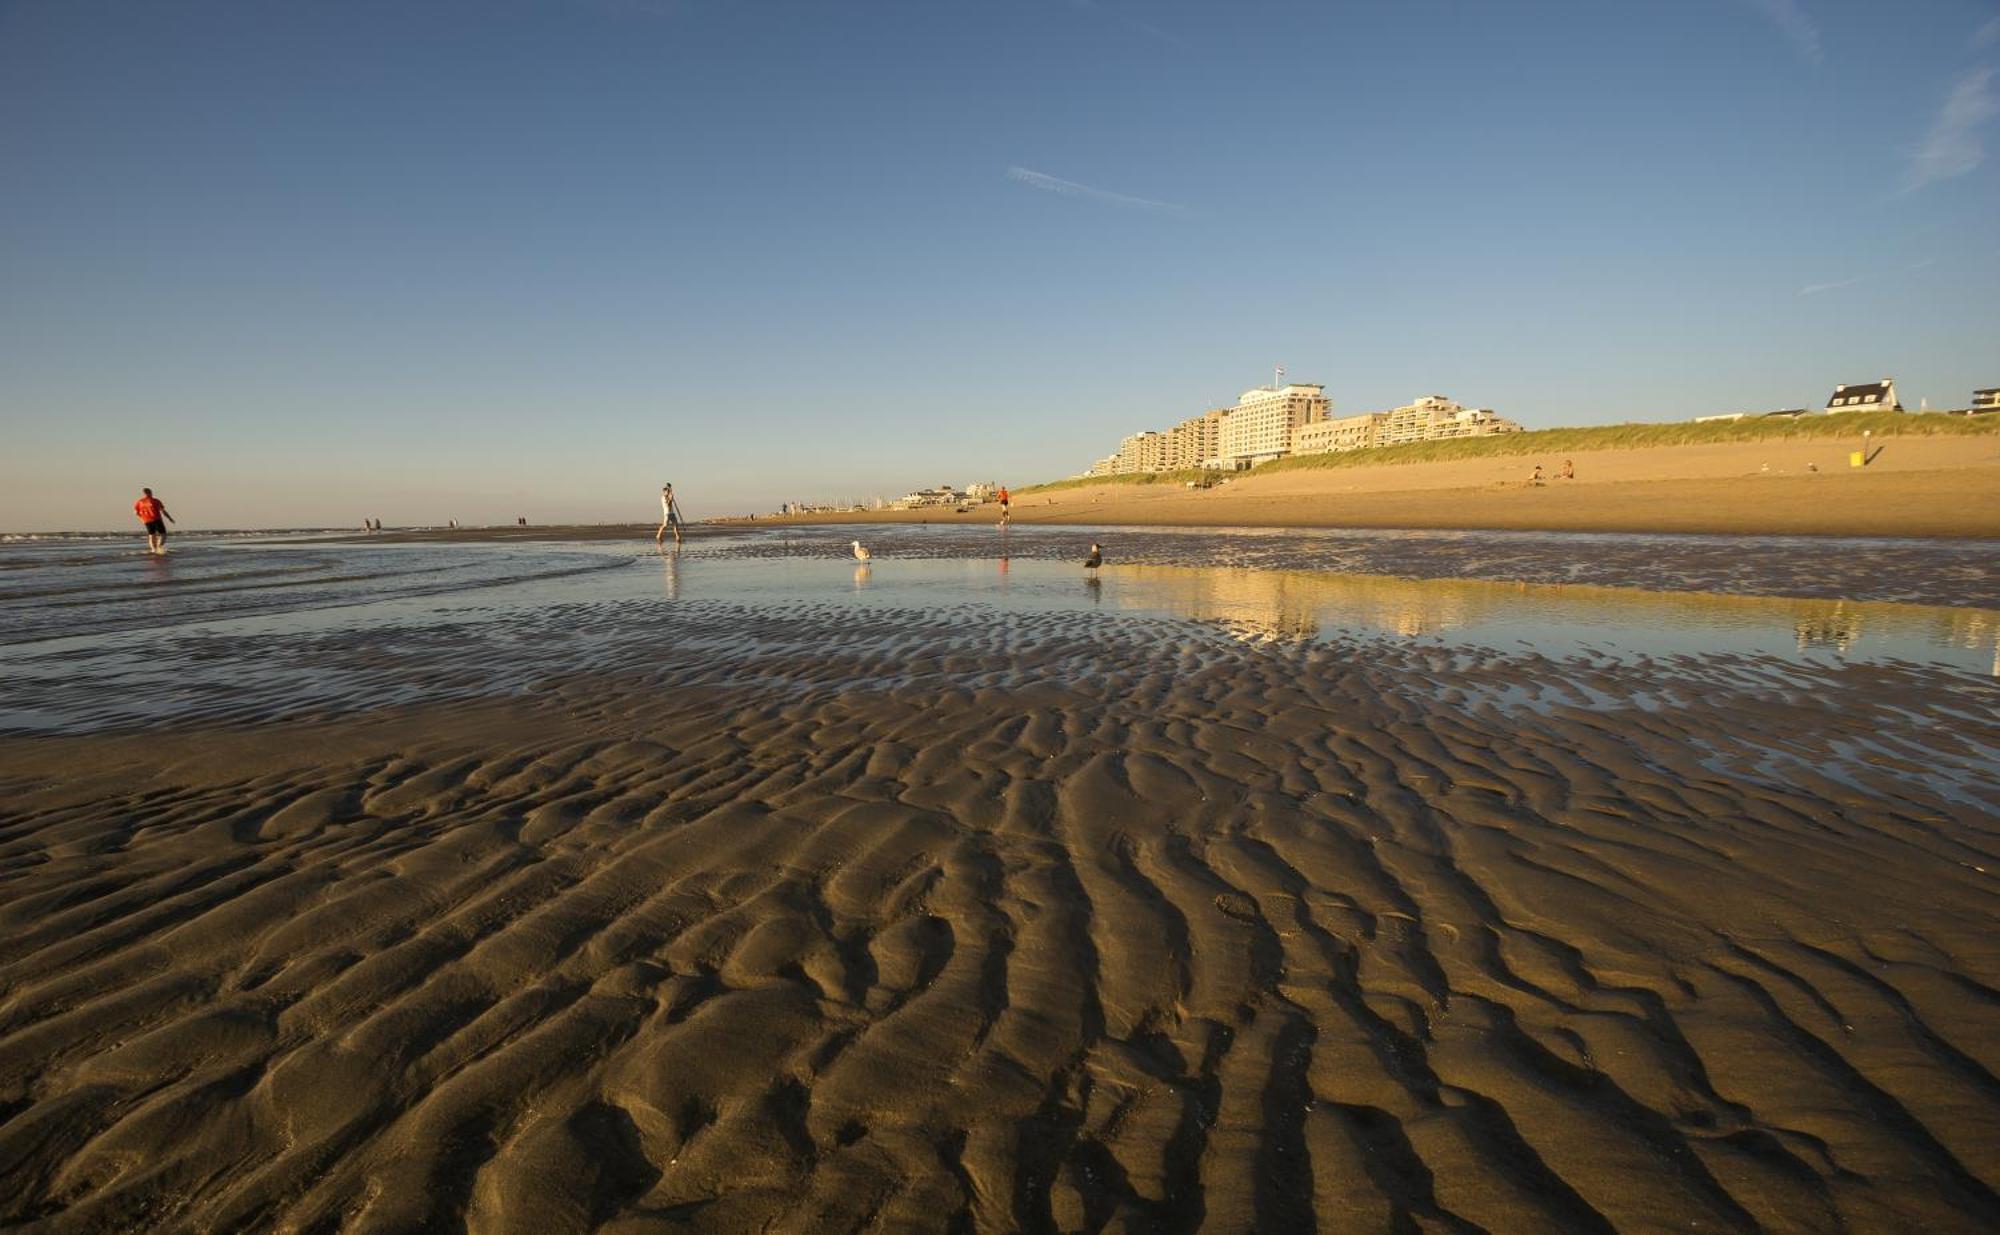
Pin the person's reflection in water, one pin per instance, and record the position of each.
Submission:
(671, 558)
(1095, 586)
(861, 576)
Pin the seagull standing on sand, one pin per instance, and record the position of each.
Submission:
(1095, 559)
(861, 553)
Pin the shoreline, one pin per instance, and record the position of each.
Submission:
(1929, 571)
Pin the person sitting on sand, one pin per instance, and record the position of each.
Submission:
(151, 512)
(1569, 470)
(670, 516)
(1537, 477)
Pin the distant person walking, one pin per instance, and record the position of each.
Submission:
(153, 513)
(670, 516)
(1006, 500)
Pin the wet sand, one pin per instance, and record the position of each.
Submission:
(803, 916)
(1916, 570)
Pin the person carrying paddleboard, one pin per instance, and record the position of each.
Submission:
(670, 516)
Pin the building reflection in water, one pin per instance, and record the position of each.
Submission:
(1267, 606)
(1972, 629)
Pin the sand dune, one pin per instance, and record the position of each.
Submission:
(1082, 932)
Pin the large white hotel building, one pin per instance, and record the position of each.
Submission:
(1260, 427)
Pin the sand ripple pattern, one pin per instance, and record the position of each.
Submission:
(956, 930)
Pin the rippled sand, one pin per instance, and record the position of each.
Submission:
(803, 916)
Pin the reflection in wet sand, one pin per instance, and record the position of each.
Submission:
(1299, 606)
(1971, 629)
(1837, 629)
(671, 558)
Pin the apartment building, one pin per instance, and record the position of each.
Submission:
(1433, 417)
(1260, 427)
(1196, 441)
(1107, 466)
(1336, 434)
(1143, 452)
(1473, 422)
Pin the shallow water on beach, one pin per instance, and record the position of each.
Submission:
(98, 636)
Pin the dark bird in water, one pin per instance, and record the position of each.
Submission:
(1095, 559)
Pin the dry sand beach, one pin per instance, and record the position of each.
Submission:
(1916, 486)
(509, 887)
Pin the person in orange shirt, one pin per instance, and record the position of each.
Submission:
(153, 513)
(1006, 499)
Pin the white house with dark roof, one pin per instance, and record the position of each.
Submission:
(1986, 400)
(1866, 397)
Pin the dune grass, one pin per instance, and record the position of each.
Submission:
(1556, 442)
(1131, 478)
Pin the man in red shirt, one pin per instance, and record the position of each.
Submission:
(153, 513)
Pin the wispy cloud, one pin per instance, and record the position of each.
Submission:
(1792, 20)
(1955, 144)
(1814, 289)
(1988, 35)
(1070, 188)
(1146, 28)
(636, 8)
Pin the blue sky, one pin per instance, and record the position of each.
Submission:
(297, 263)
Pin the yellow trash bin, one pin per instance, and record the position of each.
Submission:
(1856, 459)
